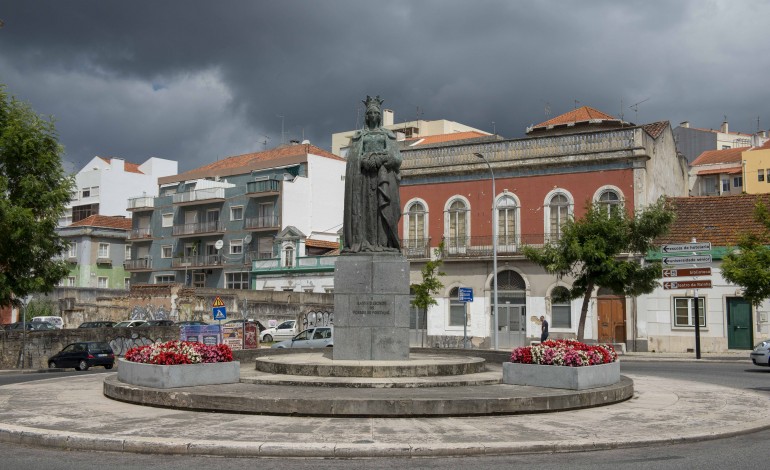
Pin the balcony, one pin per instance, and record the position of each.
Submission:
(140, 233)
(252, 256)
(141, 203)
(199, 228)
(141, 264)
(103, 260)
(263, 188)
(202, 261)
(483, 247)
(199, 196)
(416, 248)
(267, 222)
(305, 263)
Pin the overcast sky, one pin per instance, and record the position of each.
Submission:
(196, 81)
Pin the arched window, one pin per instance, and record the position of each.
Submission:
(609, 199)
(457, 226)
(506, 221)
(415, 222)
(456, 308)
(288, 256)
(558, 210)
(561, 314)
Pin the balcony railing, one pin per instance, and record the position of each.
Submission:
(138, 233)
(305, 263)
(137, 264)
(197, 261)
(141, 203)
(197, 228)
(480, 247)
(252, 256)
(264, 222)
(261, 188)
(416, 248)
(199, 195)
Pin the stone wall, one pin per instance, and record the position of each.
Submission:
(38, 346)
(176, 302)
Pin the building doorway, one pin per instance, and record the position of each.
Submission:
(511, 310)
(738, 323)
(611, 317)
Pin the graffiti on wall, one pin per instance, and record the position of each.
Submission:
(150, 312)
(121, 344)
(312, 319)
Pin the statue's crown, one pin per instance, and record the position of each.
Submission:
(373, 102)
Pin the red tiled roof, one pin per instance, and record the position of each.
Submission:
(105, 221)
(248, 159)
(710, 157)
(128, 166)
(720, 220)
(321, 244)
(655, 128)
(582, 114)
(733, 170)
(437, 139)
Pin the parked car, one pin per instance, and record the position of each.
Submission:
(190, 322)
(158, 323)
(57, 322)
(318, 337)
(97, 324)
(83, 355)
(760, 356)
(283, 331)
(129, 323)
(31, 326)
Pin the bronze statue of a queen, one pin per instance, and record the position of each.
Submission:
(372, 203)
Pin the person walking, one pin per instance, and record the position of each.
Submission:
(543, 328)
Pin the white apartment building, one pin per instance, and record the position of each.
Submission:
(104, 185)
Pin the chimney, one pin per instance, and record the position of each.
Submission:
(685, 124)
(294, 142)
(118, 164)
(724, 128)
(387, 117)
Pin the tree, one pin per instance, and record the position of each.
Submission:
(597, 251)
(33, 192)
(430, 285)
(749, 266)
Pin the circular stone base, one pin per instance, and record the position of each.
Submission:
(321, 364)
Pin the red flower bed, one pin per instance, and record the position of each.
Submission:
(565, 352)
(180, 352)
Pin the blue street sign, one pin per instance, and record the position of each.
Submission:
(220, 313)
(465, 294)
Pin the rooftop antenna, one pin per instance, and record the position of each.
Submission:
(635, 107)
(546, 108)
(264, 142)
(282, 117)
(576, 103)
(758, 129)
(494, 129)
(621, 110)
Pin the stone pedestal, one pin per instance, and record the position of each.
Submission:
(371, 307)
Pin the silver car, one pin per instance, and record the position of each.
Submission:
(761, 354)
(318, 337)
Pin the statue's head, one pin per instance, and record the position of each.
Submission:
(373, 113)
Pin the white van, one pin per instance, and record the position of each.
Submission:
(58, 322)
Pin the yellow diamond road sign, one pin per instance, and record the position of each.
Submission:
(218, 302)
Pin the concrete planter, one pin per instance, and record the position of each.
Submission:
(573, 378)
(183, 375)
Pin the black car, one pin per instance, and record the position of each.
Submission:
(97, 324)
(158, 323)
(31, 326)
(83, 355)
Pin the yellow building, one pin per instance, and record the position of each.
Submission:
(756, 169)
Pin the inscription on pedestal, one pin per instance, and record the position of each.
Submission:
(369, 306)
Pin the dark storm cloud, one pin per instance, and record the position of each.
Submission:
(199, 80)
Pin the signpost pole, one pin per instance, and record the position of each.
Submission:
(697, 325)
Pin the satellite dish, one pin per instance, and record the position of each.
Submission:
(219, 244)
(247, 239)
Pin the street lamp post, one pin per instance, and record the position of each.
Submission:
(494, 251)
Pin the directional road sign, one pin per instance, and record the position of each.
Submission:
(220, 313)
(686, 247)
(679, 272)
(705, 284)
(694, 259)
(465, 294)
